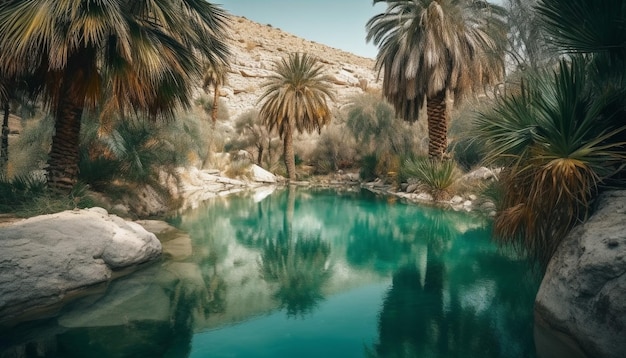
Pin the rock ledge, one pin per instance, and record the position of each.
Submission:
(583, 293)
(44, 258)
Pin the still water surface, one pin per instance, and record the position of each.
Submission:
(302, 273)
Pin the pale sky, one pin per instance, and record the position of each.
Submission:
(335, 23)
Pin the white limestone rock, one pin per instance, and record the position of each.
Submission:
(583, 292)
(45, 257)
(261, 175)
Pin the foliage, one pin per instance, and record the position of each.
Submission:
(117, 57)
(436, 176)
(295, 98)
(467, 153)
(375, 127)
(559, 141)
(239, 168)
(207, 103)
(604, 24)
(27, 195)
(380, 136)
(251, 133)
(29, 151)
(368, 167)
(334, 151)
(137, 150)
(213, 77)
(428, 48)
(529, 46)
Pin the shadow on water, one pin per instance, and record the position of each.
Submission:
(307, 273)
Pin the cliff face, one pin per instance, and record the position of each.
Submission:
(256, 47)
(583, 293)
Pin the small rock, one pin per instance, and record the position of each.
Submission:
(261, 175)
(456, 200)
(412, 188)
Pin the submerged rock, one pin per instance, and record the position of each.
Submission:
(45, 258)
(583, 293)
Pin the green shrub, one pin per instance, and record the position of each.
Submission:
(468, 153)
(368, 167)
(239, 168)
(27, 196)
(333, 151)
(30, 151)
(561, 141)
(438, 177)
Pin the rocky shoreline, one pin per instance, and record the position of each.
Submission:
(48, 260)
(45, 259)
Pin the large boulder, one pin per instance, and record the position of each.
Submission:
(46, 258)
(583, 293)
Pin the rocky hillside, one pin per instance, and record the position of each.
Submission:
(256, 47)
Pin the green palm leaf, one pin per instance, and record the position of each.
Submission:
(296, 97)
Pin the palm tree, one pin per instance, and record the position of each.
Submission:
(429, 48)
(563, 135)
(584, 26)
(114, 56)
(213, 78)
(295, 98)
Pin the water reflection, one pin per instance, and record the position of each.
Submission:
(478, 307)
(300, 268)
(353, 269)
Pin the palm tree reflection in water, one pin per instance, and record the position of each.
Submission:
(300, 268)
(443, 309)
(298, 264)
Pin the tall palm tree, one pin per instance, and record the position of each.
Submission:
(116, 56)
(295, 97)
(429, 48)
(213, 78)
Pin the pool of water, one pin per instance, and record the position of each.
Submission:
(305, 273)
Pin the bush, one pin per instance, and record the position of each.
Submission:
(368, 167)
(239, 168)
(561, 142)
(333, 151)
(28, 196)
(436, 176)
(29, 153)
(468, 153)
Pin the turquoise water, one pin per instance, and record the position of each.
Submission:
(301, 273)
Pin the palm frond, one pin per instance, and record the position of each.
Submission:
(562, 143)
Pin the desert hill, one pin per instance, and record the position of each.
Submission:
(255, 47)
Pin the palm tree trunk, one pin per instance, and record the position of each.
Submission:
(259, 158)
(64, 156)
(216, 95)
(4, 146)
(290, 160)
(437, 125)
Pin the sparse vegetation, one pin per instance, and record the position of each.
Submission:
(436, 177)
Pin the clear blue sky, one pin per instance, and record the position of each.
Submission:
(336, 23)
